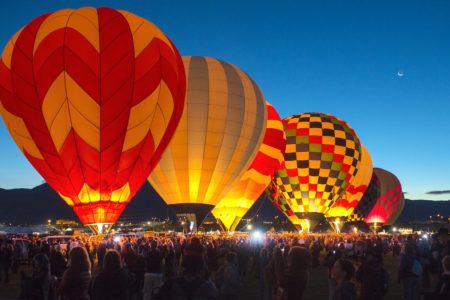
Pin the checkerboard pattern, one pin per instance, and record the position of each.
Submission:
(322, 156)
(367, 202)
(390, 198)
(278, 200)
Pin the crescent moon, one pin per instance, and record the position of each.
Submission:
(400, 74)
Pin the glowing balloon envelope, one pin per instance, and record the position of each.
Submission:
(321, 158)
(218, 137)
(367, 202)
(390, 199)
(92, 97)
(354, 191)
(397, 212)
(274, 196)
(251, 185)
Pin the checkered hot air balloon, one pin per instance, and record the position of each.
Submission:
(251, 185)
(390, 199)
(321, 158)
(391, 221)
(367, 202)
(221, 131)
(274, 196)
(92, 97)
(344, 207)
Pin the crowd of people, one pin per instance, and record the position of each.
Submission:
(214, 267)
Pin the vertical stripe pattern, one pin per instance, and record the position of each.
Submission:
(219, 134)
(252, 183)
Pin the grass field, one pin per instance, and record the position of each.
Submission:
(317, 288)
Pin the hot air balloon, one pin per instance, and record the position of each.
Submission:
(338, 213)
(391, 197)
(274, 196)
(391, 221)
(367, 202)
(92, 97)
(219, 135)
(321, 158)
(251, 185)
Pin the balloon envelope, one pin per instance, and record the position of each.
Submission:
(251, 185)
(92, 98)
(390, 199)
(274, 196)
(367, 202)
(321, 158)
(218, 137)
(397, 212)
(355, 190)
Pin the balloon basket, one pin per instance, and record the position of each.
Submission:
(336, 223)
(100, 228)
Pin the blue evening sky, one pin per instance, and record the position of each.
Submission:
(337, 57)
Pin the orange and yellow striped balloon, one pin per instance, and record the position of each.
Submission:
(251, 185)
(355, 190)
(218, 137)
(92, 97)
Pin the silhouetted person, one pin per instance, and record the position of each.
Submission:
(231, 284)
(442, 290)
(373, 279)
(192, 284)
(57, 262)
(75, 281)
(38, 286)
(342, 272)
(294, 279)
(154, 259)
(112, 282)
(6, 255)
(406, 275)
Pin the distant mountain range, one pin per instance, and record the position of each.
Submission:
(37, 205)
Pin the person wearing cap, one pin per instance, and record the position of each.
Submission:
(191, 284)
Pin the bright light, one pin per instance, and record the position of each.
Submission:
(336, 224)
(355, 229)
(394, 229)
(425, 236)
(249, 226)
(257, 235)
(117, 239)
(99, 227)
(148, 223)
(49, 221)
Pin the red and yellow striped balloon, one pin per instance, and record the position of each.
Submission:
(252, 183)
(92, 97)
(355, 190)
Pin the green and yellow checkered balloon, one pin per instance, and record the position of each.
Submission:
(323, 154)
